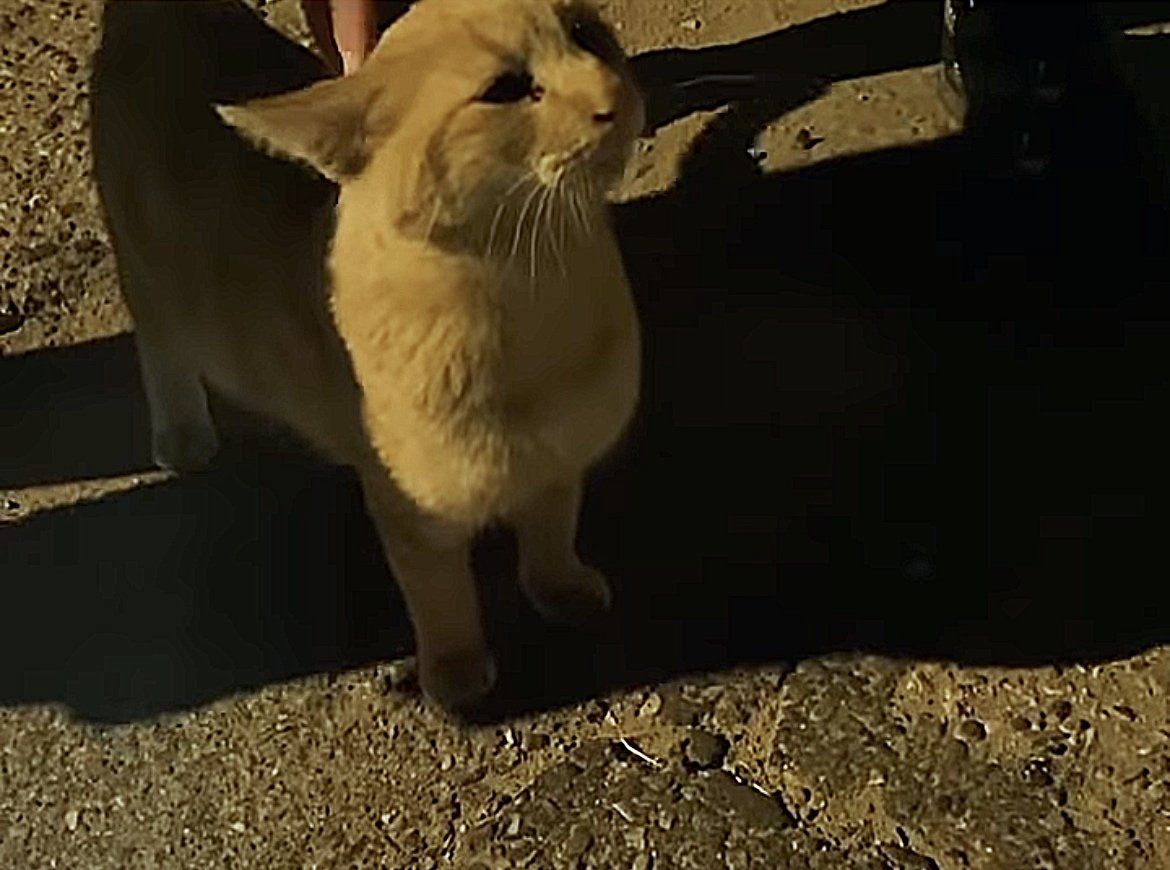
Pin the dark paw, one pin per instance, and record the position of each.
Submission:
(578, 598)
(457, 681)
(185, 448)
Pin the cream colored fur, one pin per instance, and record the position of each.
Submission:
(491, 346)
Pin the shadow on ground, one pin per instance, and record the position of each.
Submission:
(891, 404)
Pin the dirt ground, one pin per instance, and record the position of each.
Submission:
(208, 672)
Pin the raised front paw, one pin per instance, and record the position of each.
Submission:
(188, 447)
(457, 681)
(571, 596)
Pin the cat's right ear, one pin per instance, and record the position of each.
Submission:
(322, 125)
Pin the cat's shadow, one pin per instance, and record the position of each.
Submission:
(866, 427)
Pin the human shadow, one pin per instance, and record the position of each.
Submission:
(890, 405)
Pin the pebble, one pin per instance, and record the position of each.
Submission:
(973, 730)
(71, 819)
(10, 321)
(692, 24)
(575, 845)
(704, 751)
(756, 808)
(635, 839)
(534, 741)
(651, 705)
(807, 140)
(678, 710)
(401, 674)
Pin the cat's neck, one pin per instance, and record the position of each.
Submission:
(516, 245)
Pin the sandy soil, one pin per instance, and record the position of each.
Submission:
(208, 672)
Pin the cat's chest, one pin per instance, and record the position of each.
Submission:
(554, 331)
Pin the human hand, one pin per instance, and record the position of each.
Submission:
(345, 30)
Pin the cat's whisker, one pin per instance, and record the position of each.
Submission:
(568, 218)
(579, 212)
(584, 198)
(501, 208)
(556, 239)
(491, 238)
(560, 236)
(518, 236)
(534, 246)
(434, 219)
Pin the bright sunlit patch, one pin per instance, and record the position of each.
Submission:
(17, 505)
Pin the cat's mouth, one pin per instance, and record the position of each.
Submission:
(553, 169)
(594, 162)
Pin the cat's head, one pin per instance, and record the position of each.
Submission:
(463, 101)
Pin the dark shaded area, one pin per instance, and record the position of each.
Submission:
(798, 59)
(892, 403)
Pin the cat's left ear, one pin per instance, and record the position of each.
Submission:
(323, 125)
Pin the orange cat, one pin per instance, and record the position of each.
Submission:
(472, 347)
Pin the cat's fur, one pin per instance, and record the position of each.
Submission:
(470, 368)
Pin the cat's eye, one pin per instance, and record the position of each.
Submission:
(511, 87)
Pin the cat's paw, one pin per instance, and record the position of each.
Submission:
(571, 597)
(185, 448)
(457, 681)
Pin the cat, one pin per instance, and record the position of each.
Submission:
(412, 267)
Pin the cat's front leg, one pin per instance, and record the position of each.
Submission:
(559, 586)
(431, 560)
(183, 436)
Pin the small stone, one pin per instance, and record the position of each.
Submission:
(651, 705)
(703, 750)
(1037, 772)
(737, 859)
(902, 857)
(71, 819)
(10, 321)
(973, 730)
(692, 24)
(401, 675)
(678, 710)
(758, 809)
(806, 140)
(238, 827)
(635, 839)
(535, 741)
(513, 826)
(575, 845)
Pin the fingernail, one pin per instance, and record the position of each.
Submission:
(350, 61)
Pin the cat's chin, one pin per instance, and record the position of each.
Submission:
(608, 167)
(608, 175)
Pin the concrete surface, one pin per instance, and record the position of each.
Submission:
(184, 688)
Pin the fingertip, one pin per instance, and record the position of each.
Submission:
(354, 28)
